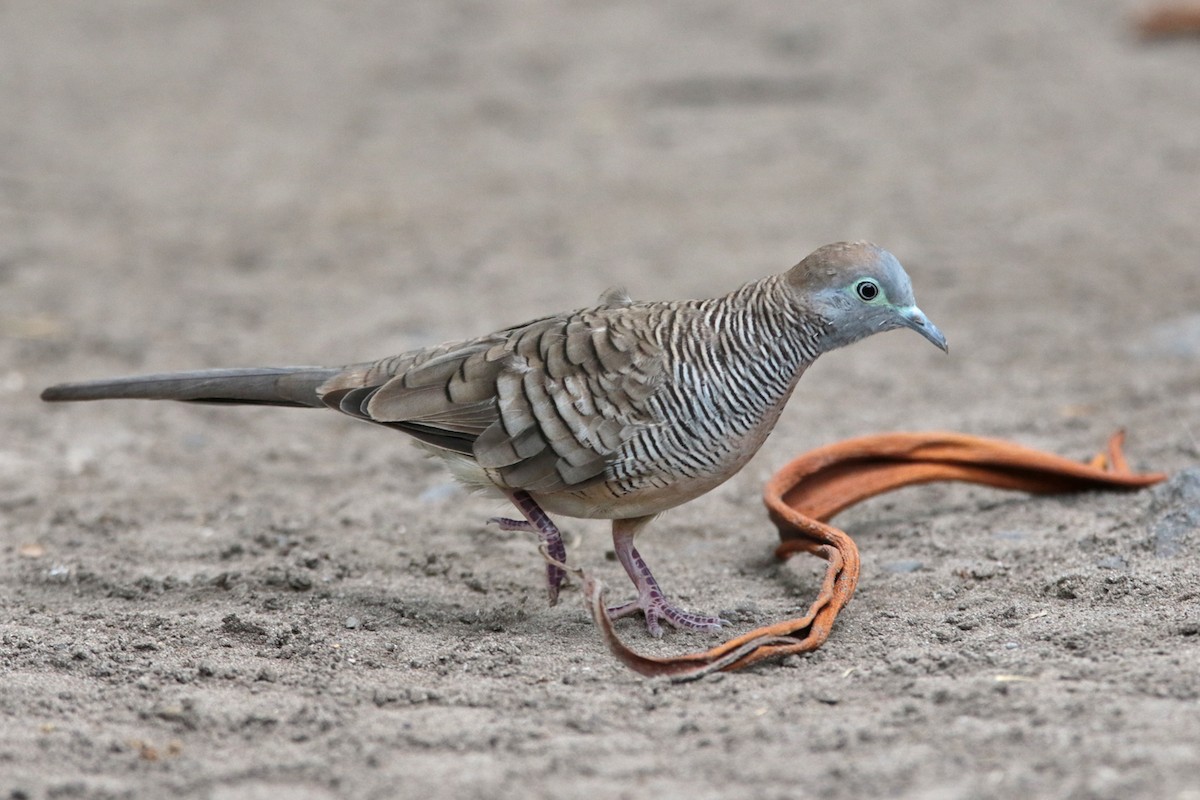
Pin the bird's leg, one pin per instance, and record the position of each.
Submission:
(650, 598)
(537, 522)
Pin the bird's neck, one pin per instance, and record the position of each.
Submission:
(734, 361)
(751, 343)
(766, 324)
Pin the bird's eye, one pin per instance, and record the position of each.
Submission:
(868, 290)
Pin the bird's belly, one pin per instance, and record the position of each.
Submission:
(605, 499)
(652, 491)
(602, 500)
(680, 470)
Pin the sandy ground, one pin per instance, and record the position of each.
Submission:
(251, 603)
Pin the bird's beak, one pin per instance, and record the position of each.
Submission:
(915, 318)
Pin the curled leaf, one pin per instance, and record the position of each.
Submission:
(810, 490)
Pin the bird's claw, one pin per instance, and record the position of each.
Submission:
(658, 609)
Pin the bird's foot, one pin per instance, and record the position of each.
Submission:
(651, 600)
(659, 609)
(556, 576)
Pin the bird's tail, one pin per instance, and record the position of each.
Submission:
(271, 386)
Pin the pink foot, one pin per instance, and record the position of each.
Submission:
(658, 610)
(650, 600)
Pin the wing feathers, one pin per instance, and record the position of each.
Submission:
(543, 407)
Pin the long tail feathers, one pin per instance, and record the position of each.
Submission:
(273, 386)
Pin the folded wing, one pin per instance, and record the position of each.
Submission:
(544, 406)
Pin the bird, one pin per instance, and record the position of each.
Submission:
(617, 411)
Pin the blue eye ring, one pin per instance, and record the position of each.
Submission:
(867, 290)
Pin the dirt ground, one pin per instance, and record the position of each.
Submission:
(252, 603)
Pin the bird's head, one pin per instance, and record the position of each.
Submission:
(858, 289)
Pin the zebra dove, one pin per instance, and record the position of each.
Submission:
(619, 411)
